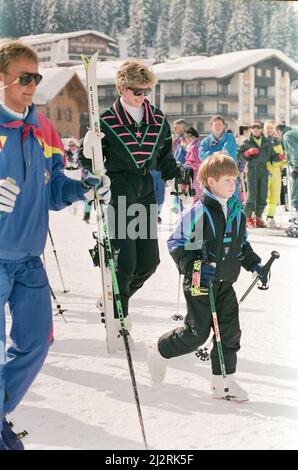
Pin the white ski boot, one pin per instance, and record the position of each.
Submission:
(156, 362)
(236, 393)
(270, 222)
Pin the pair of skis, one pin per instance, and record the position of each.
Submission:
(110, 286)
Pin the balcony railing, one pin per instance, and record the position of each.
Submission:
(215, 94)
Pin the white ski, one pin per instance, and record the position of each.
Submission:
(105, 304)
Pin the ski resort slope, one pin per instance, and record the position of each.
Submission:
(83, 397)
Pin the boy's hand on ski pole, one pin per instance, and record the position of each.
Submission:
(9, 191)
(207, 274)
(258, 271)
(101, 184)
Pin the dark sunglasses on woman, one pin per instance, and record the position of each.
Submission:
(140, 91)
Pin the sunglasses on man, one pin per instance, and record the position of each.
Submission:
(27, 78)
(257, 127)
(140, 91)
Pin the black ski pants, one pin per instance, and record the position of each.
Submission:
(197, 325)
(133, 229)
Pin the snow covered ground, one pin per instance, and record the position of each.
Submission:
(83, 397)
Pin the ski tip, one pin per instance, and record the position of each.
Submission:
(88, 60)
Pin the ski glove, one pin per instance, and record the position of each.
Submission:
(257, 270)
(101, 184)
(251, 152)
(8, 194)
(86, 149)
(207, 274)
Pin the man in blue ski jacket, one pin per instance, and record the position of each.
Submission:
(31, 183)
(219, 140)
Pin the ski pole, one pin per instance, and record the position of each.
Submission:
(177, 315)
(102, 219)
(57, 261)
(218, 341)
(60, 310)
(266, 268)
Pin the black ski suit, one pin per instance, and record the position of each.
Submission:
(131, 150)
(226, 245)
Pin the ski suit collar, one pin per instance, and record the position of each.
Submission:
(124, 117)
(7, 120)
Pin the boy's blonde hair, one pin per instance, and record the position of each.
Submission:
(13, 49)
(134, 73)
(217, 165)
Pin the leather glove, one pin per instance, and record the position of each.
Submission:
(9, 191)
(100, 184)
(251, 152)
(207, 274)
(258, 270)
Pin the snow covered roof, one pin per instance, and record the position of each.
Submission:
(106, 70)
(189, 68)
(218, 66)
(53, 37)
(54, 80)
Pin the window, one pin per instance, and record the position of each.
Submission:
(268, 73)
(200, 107)
(58, 114)
(68, 115)
(262, 91)
(261, 110)
(200, 127)
(221, 88)
(223, 108)
(259, 72)
(189, 89)
(189, 108)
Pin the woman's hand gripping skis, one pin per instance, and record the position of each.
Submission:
(109, 279)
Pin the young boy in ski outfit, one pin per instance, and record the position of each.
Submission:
(31, 183)
(137, 139)
(212, 231)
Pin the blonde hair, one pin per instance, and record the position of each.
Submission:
(13, 49)
(217, 165)
(270, 124)
(134, 73)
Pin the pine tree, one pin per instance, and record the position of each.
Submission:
(192, 41)
(176, 14)
(215, 33)
(241, 32)
(282, 29)
(104, 16)
(72, 13)
(134, 31)
(8, 19)
(38, 16)
(56, 17)
(119, 13)
(162, 37)
(149, 19)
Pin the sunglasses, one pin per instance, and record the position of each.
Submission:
(27, 78)
(140, 91)
(257, 127)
